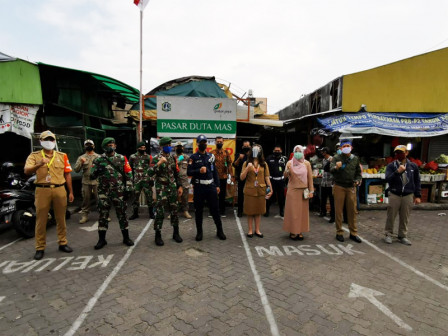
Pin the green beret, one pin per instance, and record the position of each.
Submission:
(107, 141)
(141, 143)
(165, 141)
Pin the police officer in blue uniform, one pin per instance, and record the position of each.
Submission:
(277, 164)
(205, 181)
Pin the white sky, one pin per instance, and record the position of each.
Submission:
(280, 49)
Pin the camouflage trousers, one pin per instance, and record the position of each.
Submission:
(147, 189)
(166, 200)
(105, 202)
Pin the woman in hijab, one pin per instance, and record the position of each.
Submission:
(297, 219)
(256, 173)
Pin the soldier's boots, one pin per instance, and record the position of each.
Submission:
(187, 215)
(158, 240)
(102, 240)
(134, 215)
(151, 213)
(126, 240)
(198, 232)
(176, 235)
(84, 219)
(220, 233)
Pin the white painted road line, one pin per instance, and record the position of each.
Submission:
(15, 241)
(261, 291)
(360, 291)
(75, 326)
(94, 227)
(2, 298)
(402, 263)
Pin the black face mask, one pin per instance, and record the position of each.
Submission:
(89, 148)
(219, 146)
(277, 154)
(141, 151)
(179, 151)
(202, 147)
(109, 150)
(246, 150)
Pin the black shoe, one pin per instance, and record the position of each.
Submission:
(39, 255)
(250, 235)
(282, 214)
(240, 214)
(65, 248)
(101, 241)
(176, 235)
(266, 214)
(126, 240)
(151, 213)
(134, 215)
(355, 239)
(340, 238)
(158, 239)
(259, 235)
(331, 221)
(198, 236)
(220, 234)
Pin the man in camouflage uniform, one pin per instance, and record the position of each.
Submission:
(114, 185)
(89, 187)
(140, 163)
(182, 161)
(168, 188)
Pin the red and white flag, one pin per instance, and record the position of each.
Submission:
(141, 4)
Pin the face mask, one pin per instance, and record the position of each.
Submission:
(109, 150)
(298, 155)
(89, 148)
(346, 150)
(219, 146)
(202, 147)
(339, 152)
(277, 154)
(141, 151)
(166, 149)
(400, 156)
(179, 151)
(246, 149)
(48, 145)
(255, 151)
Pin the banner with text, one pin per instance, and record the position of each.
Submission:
(18, 119)
(191, 116)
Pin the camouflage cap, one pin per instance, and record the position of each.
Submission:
(47, 134)
(107, 141)
(165, 141)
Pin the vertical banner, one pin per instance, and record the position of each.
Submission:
(18, 119)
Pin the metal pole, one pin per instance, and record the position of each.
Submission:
(140, 135)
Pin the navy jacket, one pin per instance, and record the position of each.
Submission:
(198, 160)
(396, 186)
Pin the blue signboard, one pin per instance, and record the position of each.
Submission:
(393, 124)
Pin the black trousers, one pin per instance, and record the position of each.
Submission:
(278, 191)
(241, 185)
(326, 193)
(206, 193)
(222, 195)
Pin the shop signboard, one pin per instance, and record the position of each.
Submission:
(188, 117)
(18, 119)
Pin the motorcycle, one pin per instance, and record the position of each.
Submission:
(17, 206)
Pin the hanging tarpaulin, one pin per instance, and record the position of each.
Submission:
(392, 124)
(18, 119)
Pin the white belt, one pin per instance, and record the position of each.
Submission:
(277, 178)
(206, 181)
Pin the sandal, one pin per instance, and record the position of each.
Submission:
(299, 236)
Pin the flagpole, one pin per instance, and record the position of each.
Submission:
(141, 78)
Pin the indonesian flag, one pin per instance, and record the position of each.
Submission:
(141, 4)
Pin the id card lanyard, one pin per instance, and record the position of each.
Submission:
(256, 175)
(48, 177)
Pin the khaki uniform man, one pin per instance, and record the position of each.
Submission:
(52, 170)
(89, 187)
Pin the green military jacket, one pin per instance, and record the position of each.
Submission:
(167, 174)
(140, 164)
(349, 173)
(109, 178)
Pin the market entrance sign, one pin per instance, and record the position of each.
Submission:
(190, 116)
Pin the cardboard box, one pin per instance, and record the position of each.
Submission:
(376, 189)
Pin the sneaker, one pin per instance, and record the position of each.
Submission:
(405, 241)
(388, 240)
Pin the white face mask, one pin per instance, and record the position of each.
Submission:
(346, 150)
(48, 145)
(255, 151)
